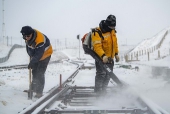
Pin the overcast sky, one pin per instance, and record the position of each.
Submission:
(60, 19)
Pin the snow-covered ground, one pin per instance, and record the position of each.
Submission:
(13, 82)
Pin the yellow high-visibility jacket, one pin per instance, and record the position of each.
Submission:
(107, 46)
(41, 47)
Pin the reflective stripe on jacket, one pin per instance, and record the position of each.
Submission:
(40, 49)
(108, 46)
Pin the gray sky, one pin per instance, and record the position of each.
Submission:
(60, 19)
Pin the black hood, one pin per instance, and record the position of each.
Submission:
(104, 28)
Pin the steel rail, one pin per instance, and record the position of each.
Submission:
(67, 98)
(22, 66)
(75, 95)
(46, 97)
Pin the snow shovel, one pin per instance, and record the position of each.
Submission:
(30, 90)
(104, 66)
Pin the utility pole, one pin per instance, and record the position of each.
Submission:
(78, 37)
(7, 40)
(3, 23)
(11, 40)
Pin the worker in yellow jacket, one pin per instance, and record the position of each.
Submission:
(39, 49)
(107, 49)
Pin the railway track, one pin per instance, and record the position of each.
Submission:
(23, 66)
(75, 98)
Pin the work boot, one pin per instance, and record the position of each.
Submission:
(98, 92)
(38, 95)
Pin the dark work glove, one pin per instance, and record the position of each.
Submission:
(30, 65)
(110, 60)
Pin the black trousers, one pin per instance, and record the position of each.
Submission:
(38, 72)
(102, 78)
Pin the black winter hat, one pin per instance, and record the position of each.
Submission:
(111, 21)
(26, 30)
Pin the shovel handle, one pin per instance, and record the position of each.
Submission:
(30, 92)
(29, 76)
